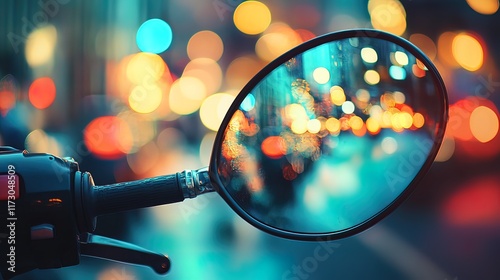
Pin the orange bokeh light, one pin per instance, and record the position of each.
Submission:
(274, 147)
(42, 92)
(7, 101)
(470, 131)
(468, 51)
(108, 137)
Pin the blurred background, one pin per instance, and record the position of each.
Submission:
(133, 89)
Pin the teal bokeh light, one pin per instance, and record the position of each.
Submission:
(248, 103)
(397, 72)
(154, 36)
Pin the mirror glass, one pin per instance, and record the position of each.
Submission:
(331, 137)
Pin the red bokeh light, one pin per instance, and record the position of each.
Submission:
(108, 137)
(476, 203)
(42, 92)
(7, 101)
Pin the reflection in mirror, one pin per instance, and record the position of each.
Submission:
(330, 138)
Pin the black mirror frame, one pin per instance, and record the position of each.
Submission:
(335, 36)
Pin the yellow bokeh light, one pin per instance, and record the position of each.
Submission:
(295, 111)
(214, 108)
(376, 111)
(321, 75)
(207, 71)
(395, 4)
(272, 45)
(186, 95)
(38, 141)
(252, 17)
(372, 77)
(446, 149)
(405, 119)
(333, 125)
(144, 99)
(372, 125)
(145, 68)
(418, 120)
(396, 122)
(369, 55)
(485, 7)
(205, 44)
(299, 126)
(355, 123)
(40, 45)
(401, 58)
(483, 124)
(313, 126)
(337, 95)
(386, 119)
(468, 52)
(388, 15)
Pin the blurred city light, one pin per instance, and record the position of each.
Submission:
(252, 17)
(42, 92)
(214, 108)
(369, 55)
(205, 44)
(484, 124)
(372, 77)
(388, 15)
(154, 36)
(108, 137)
(486, 7)
(160, 110)
(474, 203)
(40, 45)
(467, 51)
(7, 101)
(186, 95)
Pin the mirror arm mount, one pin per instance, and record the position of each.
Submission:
(195, 182)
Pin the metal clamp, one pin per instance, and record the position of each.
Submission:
(195, 182)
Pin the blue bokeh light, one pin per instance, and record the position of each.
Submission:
(248, 103)
(154, 36)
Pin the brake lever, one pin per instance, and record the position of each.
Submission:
(111, 249)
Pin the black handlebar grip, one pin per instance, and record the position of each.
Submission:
(135, 194)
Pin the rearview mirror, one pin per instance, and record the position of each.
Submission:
(332, 136)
